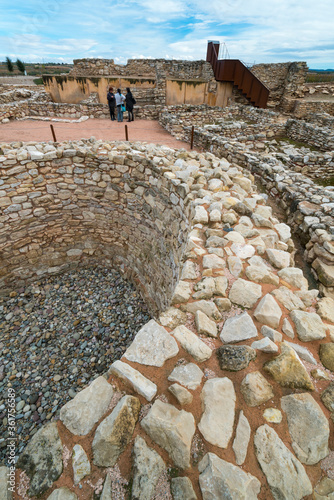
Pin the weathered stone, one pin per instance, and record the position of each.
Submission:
(287, 328)
(62, 494)
(205, 325)
(5, 491)
(235, 266)
(241, 440)
(324, 271)
(327, 397)
(245, 293)
(218, 400)
(189, 375)
(235, 358)
(183, 396)
(141, 384)
(272, 334)
(223, 304)
(278, 258)
(204, 289)
(255, 389)
(324, 490)
(308, 325)
(285, 474)
(172, 318)
(189, 271)
(326, 354)
(309, 297)
(288, 370)
(201, 215)
(325, 308)
(80, 463)
(182, 292)
(83, 411)
(265, 345)
(152, 346)
(191, 343)
(308, 427)
(221, 284)
(284, 232)
(42, 459)
(294, 277)
(115, 432)
(238, 328)
(303, 353)
(212, 261)
(147, 468)
(242, 251)
(288, 299)
(272, 415)
(171, 429)
(268, 311)
(207, 307)
(224, 481)
(182, 489)
(261, 274)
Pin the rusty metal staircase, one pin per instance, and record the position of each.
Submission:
(233, 70)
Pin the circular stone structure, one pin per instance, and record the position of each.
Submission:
(170, 420)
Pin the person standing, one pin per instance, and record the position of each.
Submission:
(129, 103)
(112, 103)
(119, 103)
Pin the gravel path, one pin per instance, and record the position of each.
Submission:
(18, 80)
(56, 335)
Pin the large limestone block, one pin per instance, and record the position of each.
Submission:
(278, 258)
(326, 354)
(308, 325)
(238, 328)
(207, 307)
(152, 346)
(261, 274)
(141, 384)
(115, 432)
(221, 480)
(308, 427)
(62, 494)
(42, 459)
(245, 293)
(255, 389)
(218, 400)
(212, 261)
(5, 493)
(241, 440)
(285, 474)
(81, 413)
(288, 370)
(147, 468)
(325, 272)
(294, 276)
(205, 288)
(171, 429)
(268, 311)
(189, 375)
(182, 489)
(205, 325)
(325, 308)
(288, 299)
(192, 344)
(182, 292)
(80, 463)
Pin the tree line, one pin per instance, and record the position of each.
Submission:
(10, 65)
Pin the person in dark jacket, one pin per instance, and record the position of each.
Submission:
(112, 103)
(129, 103)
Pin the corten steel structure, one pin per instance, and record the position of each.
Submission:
(233, 70)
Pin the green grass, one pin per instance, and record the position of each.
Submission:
(38, 81)
(297, 144)
(327, 181)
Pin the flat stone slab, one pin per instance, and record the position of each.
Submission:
(218, 399)
(62, 494)
(245, 293)
(189, 375)
(182, 489)
(326, 354)
(182, 394)
(81, 413)
(268, 311)
(141, 384)
(278, 258)
(147, 468)
(171, 429)
(308, 325)
(221, 480)
(285, 474)
(80, 463)
(192, 344)
(205, 325)
(5, 493)
(238, 328)
(241, 440)
(152, 346)
(256, 389)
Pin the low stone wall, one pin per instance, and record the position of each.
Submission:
(319, 136)
(303, 108)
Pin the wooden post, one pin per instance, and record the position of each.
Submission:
(53, 133)
(126, 133)
(192, 137)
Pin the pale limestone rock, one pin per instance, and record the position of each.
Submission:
(255, 389)
(152, 346)
(319, 374)
(303, 353)
(212, 261)
(288, 299)
(265, 345)
(221, 480)
(278, 258)
(268, 311)
(215, 185)
(245, 293)
(147, 468)
(218, 400)
(182, 292)
(307, 296)
(115, 432)
(260, 221)
(80, 464)
(141, 384)
(189, 271)
(182, 489)
(5, 493)
(294, 277)
(284, 231)
(171, 429)
(62, 494)
(243, 251)
(201, 215)
(241, 440)
(172, 317)
(221, 284)
(235, 237)
(205, 325)
(234, 266)
(308, 427)
(243, 182)
(308, 325)
(107, 489)
(207, 307)
(204, 289)
(183, 396)
(325, 308)
(261, 274)
(325, 272)
(83, 411)
(189, 375)
(192, 344)
(285, 474)
(238, 328)
(288, 370)
(272, 334)
(272, 415)
(326, 354)
(215, 216)
(225, 305)
(287, 328)
(324, 490)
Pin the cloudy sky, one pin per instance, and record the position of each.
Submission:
(255, 31)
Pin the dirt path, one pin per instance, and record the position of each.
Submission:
(139, 130)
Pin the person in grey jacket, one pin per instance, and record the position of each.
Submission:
(119, 101)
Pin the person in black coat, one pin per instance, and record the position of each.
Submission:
(129, 103)
(112, 103)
